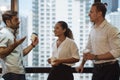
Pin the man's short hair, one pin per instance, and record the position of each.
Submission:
(7, 15)
(101, 7)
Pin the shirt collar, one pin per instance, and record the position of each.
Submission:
(12, 31)
(101, 25)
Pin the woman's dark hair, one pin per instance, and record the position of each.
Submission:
(101, 7)
(68, 32)
(8, 15)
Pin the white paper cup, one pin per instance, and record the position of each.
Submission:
(33, 36)
(52, 60)
(86, 51)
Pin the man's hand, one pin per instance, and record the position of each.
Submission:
(5, 51)
(89, 56)
(35, 42)
(18, 42)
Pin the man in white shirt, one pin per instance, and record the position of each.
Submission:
(11, 53)
(103, 46)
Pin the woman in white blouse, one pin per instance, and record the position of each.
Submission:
(64, 54)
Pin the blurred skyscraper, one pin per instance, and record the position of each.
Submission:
(114, 18)
(45, 14)
(4, 5)
(112, 5)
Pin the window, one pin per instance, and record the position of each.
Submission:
(41, 18)
(4, 5)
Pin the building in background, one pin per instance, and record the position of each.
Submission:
(42, 18)
(112, 5)
(114, 18)
(4, 5)
(45, 14)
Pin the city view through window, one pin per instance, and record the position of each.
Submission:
(40, 16)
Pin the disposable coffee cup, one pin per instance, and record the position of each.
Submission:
(86, 51)
(52, 60)
(33, 36)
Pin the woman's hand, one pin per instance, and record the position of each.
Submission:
(56, 62)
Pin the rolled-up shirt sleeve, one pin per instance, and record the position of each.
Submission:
(114, 41)
(3, 40)
(74, 51)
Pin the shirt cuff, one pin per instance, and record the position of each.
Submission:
(115, 53)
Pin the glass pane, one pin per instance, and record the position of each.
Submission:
(113, 13)
(40, 16)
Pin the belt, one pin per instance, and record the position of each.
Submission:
(105, 64)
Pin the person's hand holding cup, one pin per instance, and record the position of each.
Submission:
(52, 60)
(33, 36)
(34, 39)
(85, 52)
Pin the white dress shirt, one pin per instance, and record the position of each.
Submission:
(13, 62)
(67, 49)
(104, 38)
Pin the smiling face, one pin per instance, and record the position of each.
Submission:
(58, 30)
(13, 22)
(95, 14)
